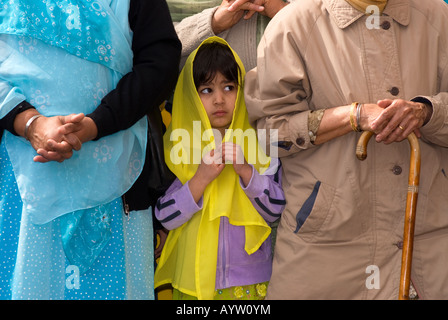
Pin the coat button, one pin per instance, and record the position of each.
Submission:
(385, 25)
(397, 170)
(300, 141)
(394, 91)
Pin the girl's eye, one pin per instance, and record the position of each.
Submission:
(205, 90)
(229, 88)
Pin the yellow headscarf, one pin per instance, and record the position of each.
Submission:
(362, 5)
(189, 257)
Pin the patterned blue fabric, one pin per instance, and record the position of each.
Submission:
(63, 57)
(85, 233)
(81, 33)
(33, 263)
(38, 62)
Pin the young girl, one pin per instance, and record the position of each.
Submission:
(219, 207)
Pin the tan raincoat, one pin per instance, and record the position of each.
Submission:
(323, 53)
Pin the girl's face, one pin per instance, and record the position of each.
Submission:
(218, 98)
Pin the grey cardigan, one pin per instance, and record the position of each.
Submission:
(241, 37)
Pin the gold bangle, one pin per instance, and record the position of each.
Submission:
(352, 116)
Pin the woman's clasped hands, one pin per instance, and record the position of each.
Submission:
(56, 138)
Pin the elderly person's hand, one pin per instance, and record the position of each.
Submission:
(231, 11)
(47, 129)
(224, 18)
(73, 131)
(39, 129)
(390, 120)
(399, 118)
(271, 7)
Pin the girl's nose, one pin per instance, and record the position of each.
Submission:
(218, 97)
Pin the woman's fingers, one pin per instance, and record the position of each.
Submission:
(46, 156)
(398, 120)
(246, 5)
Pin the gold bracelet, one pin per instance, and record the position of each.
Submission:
(352, 116)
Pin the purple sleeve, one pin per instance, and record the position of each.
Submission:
(177, 206)
(266, 194)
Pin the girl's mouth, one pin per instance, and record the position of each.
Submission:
(219, 113)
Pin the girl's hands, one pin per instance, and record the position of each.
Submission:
(208, 170)
(211, 166)
(232, 153)
(214, 162)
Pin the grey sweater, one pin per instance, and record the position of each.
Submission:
(241, 37)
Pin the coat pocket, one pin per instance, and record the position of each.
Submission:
(307, 206)
(314, 211)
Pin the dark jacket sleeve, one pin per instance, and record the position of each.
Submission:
(157, 52)
(7, 122)
(156, 49)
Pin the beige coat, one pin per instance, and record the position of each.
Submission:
(320, 54)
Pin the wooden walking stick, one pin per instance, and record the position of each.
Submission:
(411, 205)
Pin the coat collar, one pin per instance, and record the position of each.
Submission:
(344, 14)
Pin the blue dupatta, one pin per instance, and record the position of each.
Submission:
(64, 56)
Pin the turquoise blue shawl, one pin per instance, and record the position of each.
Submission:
(64, 56)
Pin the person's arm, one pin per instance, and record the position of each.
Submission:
(7, 122)
(177, 206)
(217, 21)
(184, 201)
(193, 30)
(266, 194)
(156, 49)
(264, 191)
(277, 94)
(336, 121)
